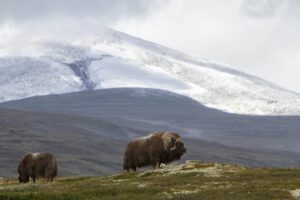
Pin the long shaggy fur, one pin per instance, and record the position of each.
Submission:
(154, 149)
(36, 165)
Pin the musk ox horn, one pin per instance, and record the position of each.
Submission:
(170, 139)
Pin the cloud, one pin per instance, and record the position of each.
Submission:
(260, 37)
(262, 8)
(100, 10)
(271, 8)
(65, 18)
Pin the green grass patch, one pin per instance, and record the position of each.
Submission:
(254, 184)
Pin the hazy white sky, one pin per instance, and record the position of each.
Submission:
(260, 37)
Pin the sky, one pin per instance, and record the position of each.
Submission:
(260, 37)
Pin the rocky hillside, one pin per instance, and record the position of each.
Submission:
(191, 180)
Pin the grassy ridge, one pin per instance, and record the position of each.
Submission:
(193, 180)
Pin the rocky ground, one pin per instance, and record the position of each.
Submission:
(191, 180)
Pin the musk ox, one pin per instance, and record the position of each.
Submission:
(154, 149)
(36, 165)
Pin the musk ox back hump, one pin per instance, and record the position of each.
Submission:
(36, 165)
(143, 151)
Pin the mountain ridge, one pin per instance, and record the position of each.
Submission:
(152, 109)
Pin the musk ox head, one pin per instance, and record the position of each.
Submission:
(23, 169)
(175, 153)
(23, 179)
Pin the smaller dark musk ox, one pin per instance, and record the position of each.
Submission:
(154, 149)
(37, 165)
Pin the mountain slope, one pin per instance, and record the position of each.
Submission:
(113, 59)
(89, 130)
(86, 146)
(151, 109)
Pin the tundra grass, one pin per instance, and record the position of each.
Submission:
(254, 184)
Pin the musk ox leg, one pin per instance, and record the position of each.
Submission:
(50, 179)
(155, 165)
(133, 168)
(126, 166)
(159, 164)
(47, 175)
(127, 170)
(50, 174)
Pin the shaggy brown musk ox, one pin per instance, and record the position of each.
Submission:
(154, 149)
(36, 165)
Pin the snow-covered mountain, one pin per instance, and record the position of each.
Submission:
(111, 59)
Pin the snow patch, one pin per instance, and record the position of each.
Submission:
(112, 59)
(295, 193)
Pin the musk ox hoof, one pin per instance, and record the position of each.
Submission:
(162, 165)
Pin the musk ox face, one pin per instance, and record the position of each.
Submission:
(179, 149)
(154, 149)
(174, 154)
(23, 179)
